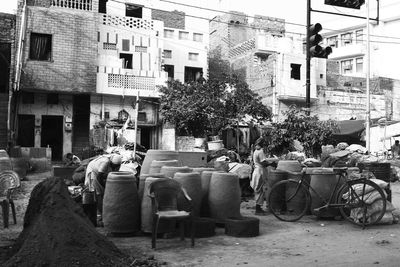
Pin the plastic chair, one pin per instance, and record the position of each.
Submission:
(9, 181)
(164, 195)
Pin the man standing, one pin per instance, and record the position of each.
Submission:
(96, 175)
(396, 149)
(259, 177)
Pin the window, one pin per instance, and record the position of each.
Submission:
(141, 49)
(346, 66)
(40, 46)
(125, 45)
(192, 73)
(28, 98)
(332, 41)
(346, 39)
(295, 71)
(167, 53)
(52, 99)
(127, 60)
(197, 37)
(133, 11)
(183, 35)
(170, 70)
(359, 64)
(193, 56)
(168, 33)
(103, 6)
(142, 116)
(359, 37)
(5, 60)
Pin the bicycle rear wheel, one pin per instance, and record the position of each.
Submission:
(364, 202)
(288, 200)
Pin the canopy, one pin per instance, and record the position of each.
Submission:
(350, 131)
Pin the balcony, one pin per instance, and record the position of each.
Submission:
(85, 5)
(351, 50)
(129, 84)
(128, 23)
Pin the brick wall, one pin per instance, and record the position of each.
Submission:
(174, 19)
(72, 67)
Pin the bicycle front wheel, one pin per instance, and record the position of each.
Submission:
(363, 202)
(288, 200)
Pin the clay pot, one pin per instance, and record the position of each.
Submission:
(121, 203)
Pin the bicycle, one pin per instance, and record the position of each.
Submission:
(360, 201)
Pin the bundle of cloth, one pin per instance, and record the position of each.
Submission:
(374, 202)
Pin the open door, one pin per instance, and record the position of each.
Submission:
(52, 135)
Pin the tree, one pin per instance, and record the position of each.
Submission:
(207, 108)
(309, 130)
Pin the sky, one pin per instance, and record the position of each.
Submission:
(293, 11)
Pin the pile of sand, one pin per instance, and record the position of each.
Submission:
(58, 233)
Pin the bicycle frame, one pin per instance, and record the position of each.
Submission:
(331, 203)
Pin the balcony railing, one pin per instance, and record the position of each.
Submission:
(73, 4)
(125, 84)
(127, 22)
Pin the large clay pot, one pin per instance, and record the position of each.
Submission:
(155, 166)
(146, 212)
(142, 180)
(205, 185)
(191, 182)
(289, 165)
(323, 181)
(169, 171)
(275, 176)
(202, 169)
(121, 203)
(298, 202)
(153, 154)
(224, 196)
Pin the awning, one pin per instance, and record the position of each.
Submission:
(350, 128)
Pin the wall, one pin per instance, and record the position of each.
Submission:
(72, 67)
(7, 36)
(174, 19)
(181, 48)
(40, 107)
(114, 104)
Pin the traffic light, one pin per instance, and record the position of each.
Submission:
(314, 39)
(346, 3)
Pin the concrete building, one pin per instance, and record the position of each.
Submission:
(349, 44)
(7, 49)
(271, 61)
(85, 63)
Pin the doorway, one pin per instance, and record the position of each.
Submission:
(145, 137)
(26, 130)
(52, 135)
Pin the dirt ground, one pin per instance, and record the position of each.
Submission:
(309, 242)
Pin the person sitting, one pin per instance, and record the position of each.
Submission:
(96, 176)
(71, 160)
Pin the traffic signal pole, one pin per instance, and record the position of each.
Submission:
(308, 58)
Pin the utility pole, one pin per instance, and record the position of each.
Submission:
(308, 58)
(368, 108)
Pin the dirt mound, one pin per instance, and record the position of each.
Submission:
(57, 233)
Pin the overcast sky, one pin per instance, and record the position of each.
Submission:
(293, 11)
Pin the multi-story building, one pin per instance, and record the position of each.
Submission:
(7, 48)
(271, 61)
(86, 65)
(349, 45)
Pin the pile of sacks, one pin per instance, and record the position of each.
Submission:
(373, 199)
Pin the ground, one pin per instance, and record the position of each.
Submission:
(309, 242)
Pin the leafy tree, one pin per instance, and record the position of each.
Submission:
(309, 130)
(207, 108)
